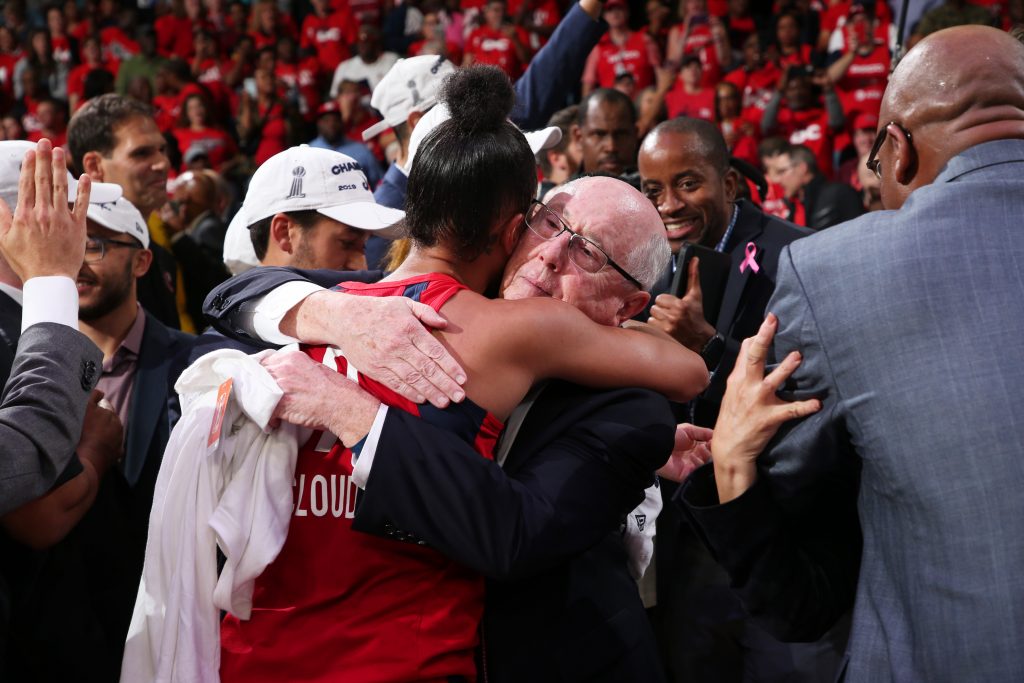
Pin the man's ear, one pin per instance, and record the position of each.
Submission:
(281, 233)
(92, 163)
(904, 156)
(577, 133)
(631, 306)
(142, 261)
(731, 180)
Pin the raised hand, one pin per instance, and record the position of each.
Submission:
(684, 318)
(752, 412)
(43, 236)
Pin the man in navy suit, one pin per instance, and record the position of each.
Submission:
(703, 629)
(909, 325)
(546, 528)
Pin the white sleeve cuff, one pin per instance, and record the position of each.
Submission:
(268, 311)
(363, 460)
(50, 299)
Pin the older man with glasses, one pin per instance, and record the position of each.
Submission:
(574, 463)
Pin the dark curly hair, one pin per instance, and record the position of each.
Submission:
(473, 171)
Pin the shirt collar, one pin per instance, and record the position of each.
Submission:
(728, 231)
(133, 340)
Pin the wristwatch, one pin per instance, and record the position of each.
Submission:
(713, 351)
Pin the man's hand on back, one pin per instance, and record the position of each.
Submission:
(43, 236)
(384, 338)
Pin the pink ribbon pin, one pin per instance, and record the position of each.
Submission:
(749, 260)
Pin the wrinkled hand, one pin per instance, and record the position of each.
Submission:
(692, 449)
(684, 318)
(317, 397)
(43, 236)
(102, 437)
(385, 339)
(752, 413)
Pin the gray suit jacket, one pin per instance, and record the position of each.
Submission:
(43, 408)
(911, 326)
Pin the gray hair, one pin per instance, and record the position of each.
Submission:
(647, 260)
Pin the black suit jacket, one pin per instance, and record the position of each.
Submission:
(746, 294)
(827, 204)
(545, 530)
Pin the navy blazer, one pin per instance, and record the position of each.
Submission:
(545, 529)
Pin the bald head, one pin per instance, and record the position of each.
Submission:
(955, 89)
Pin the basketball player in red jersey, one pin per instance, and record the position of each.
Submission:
(342, 606)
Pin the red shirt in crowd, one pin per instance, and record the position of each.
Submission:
(491, 46)
(801, 57)
(808, 127)
(76, 77)
(337, 605)
(699, 105)
(60, 47)
(218, 145)
(116, 45)
(541, 13)
(274, 132)
(861, 87)
(637, 56)
(302, 78)
(699, 42)
(173, 36)
(7, 63)
(362, 11)
(329, 37)
(756, 88)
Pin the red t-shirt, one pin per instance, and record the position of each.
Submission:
(329, 37)
(303, 78)
(756, 87)
(700, 43)
(362, 11)
(801, 57)
(490, 46)
(699, 105)
(861, 87)
(808, 127)
(219, 146)
(60, 47)
(774, 204)
(543, 13)
(337, 605)
(76, 77)
(7, 63)
(173, 36)
(608, 61)
(117, 46)
(274, 138)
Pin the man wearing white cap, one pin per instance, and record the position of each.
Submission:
(94, 572)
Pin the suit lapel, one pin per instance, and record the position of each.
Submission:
(748, 229)
(149, 397)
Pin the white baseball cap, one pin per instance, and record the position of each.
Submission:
(239, 254)
(307, 178)
(410, 85)
(120, 216)
(12, 154)
(538, 140)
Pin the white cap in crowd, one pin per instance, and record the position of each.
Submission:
(12, 154)
(410, 85)
(120, 216)
(307, 178)
(539, 140)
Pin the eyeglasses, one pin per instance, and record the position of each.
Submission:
(873, 163)
(585, 254)
(96, 248)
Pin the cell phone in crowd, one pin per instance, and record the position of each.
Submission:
(713, 271)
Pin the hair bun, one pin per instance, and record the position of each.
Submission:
(479, 98)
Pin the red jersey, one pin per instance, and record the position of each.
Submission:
(362, 11)
(774, 204)
(490, 46)
(329, 37)
(699, 42)
(801, 57)
(60, 47)
(808, 127)
(542, 13)
(117, 46)
(273, 134)
(302, 78)
(700, 105)
(338, 605)
(608, 61)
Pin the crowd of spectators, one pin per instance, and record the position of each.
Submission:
(232, 84)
